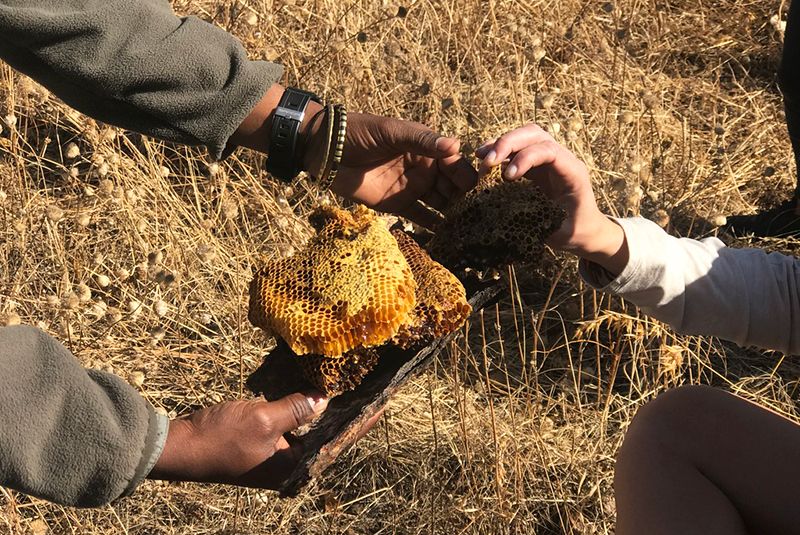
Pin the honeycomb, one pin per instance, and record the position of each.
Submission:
(441, 301)
(350, 287)
(354, 287)
(497, 223)
(336, 375)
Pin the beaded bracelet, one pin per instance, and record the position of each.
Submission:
(332, 167)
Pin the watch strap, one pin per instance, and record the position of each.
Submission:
(284, 160)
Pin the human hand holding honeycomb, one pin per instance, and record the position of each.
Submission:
(562, 178)
(390, 165)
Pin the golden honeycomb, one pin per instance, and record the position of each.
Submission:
(354, 287)
(497, 223)
(441, 300)
(350, 287)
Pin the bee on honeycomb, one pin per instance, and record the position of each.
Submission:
(354, 287)
(497, 223)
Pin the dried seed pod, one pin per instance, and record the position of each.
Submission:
(54, 213)
(626, 117)
(206, 253)
(83, 292)
(72, 151)
(136, 379)
(160, 308)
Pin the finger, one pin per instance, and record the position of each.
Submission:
(436, 200)
(422, 215)
(295, 410)
(460, 173)
(406, 136)
(514, 141)
(484, 149)
(446, 189)
(545, 154)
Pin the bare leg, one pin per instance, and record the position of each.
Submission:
(700, 460)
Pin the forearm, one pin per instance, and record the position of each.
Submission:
(72, 436)
(703, 287)
(137, 65)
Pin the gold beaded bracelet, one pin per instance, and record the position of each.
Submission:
(332, 167)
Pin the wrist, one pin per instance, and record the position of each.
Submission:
(177, 458)
(312, 137)
(605, 245)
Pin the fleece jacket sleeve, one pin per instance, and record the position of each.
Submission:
(69, 435)
(135, 64)
(703, 287)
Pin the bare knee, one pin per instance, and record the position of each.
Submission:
(664, 427)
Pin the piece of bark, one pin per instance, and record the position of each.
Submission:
(347, 414)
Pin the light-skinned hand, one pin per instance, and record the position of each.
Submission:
(533, 154)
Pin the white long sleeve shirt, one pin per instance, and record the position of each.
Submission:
(703, 287)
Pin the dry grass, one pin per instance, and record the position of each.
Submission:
(137, 254)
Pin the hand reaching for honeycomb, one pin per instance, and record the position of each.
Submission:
(389, 165)
(533, 154)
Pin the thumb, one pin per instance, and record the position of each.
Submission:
(295, 410)
(418, 139)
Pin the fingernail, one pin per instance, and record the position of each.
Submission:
(317, 401)
(490, 158)
(511, 171)
(441, 142)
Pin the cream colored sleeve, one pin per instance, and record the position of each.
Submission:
(703, 287)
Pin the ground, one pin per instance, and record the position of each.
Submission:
(138, 255)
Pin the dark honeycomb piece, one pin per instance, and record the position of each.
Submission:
(336, 375)
(497, 223)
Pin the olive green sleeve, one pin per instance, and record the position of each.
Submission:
(69, 435)
(135, 64)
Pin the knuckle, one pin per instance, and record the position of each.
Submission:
(534, 128)
(262, 417)
(300, 408)
(551, 147)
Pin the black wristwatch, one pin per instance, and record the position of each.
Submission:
(285, 160)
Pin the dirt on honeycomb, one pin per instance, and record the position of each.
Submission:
(354, 287)
(497, 223)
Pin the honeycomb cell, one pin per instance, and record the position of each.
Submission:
(497, 223)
